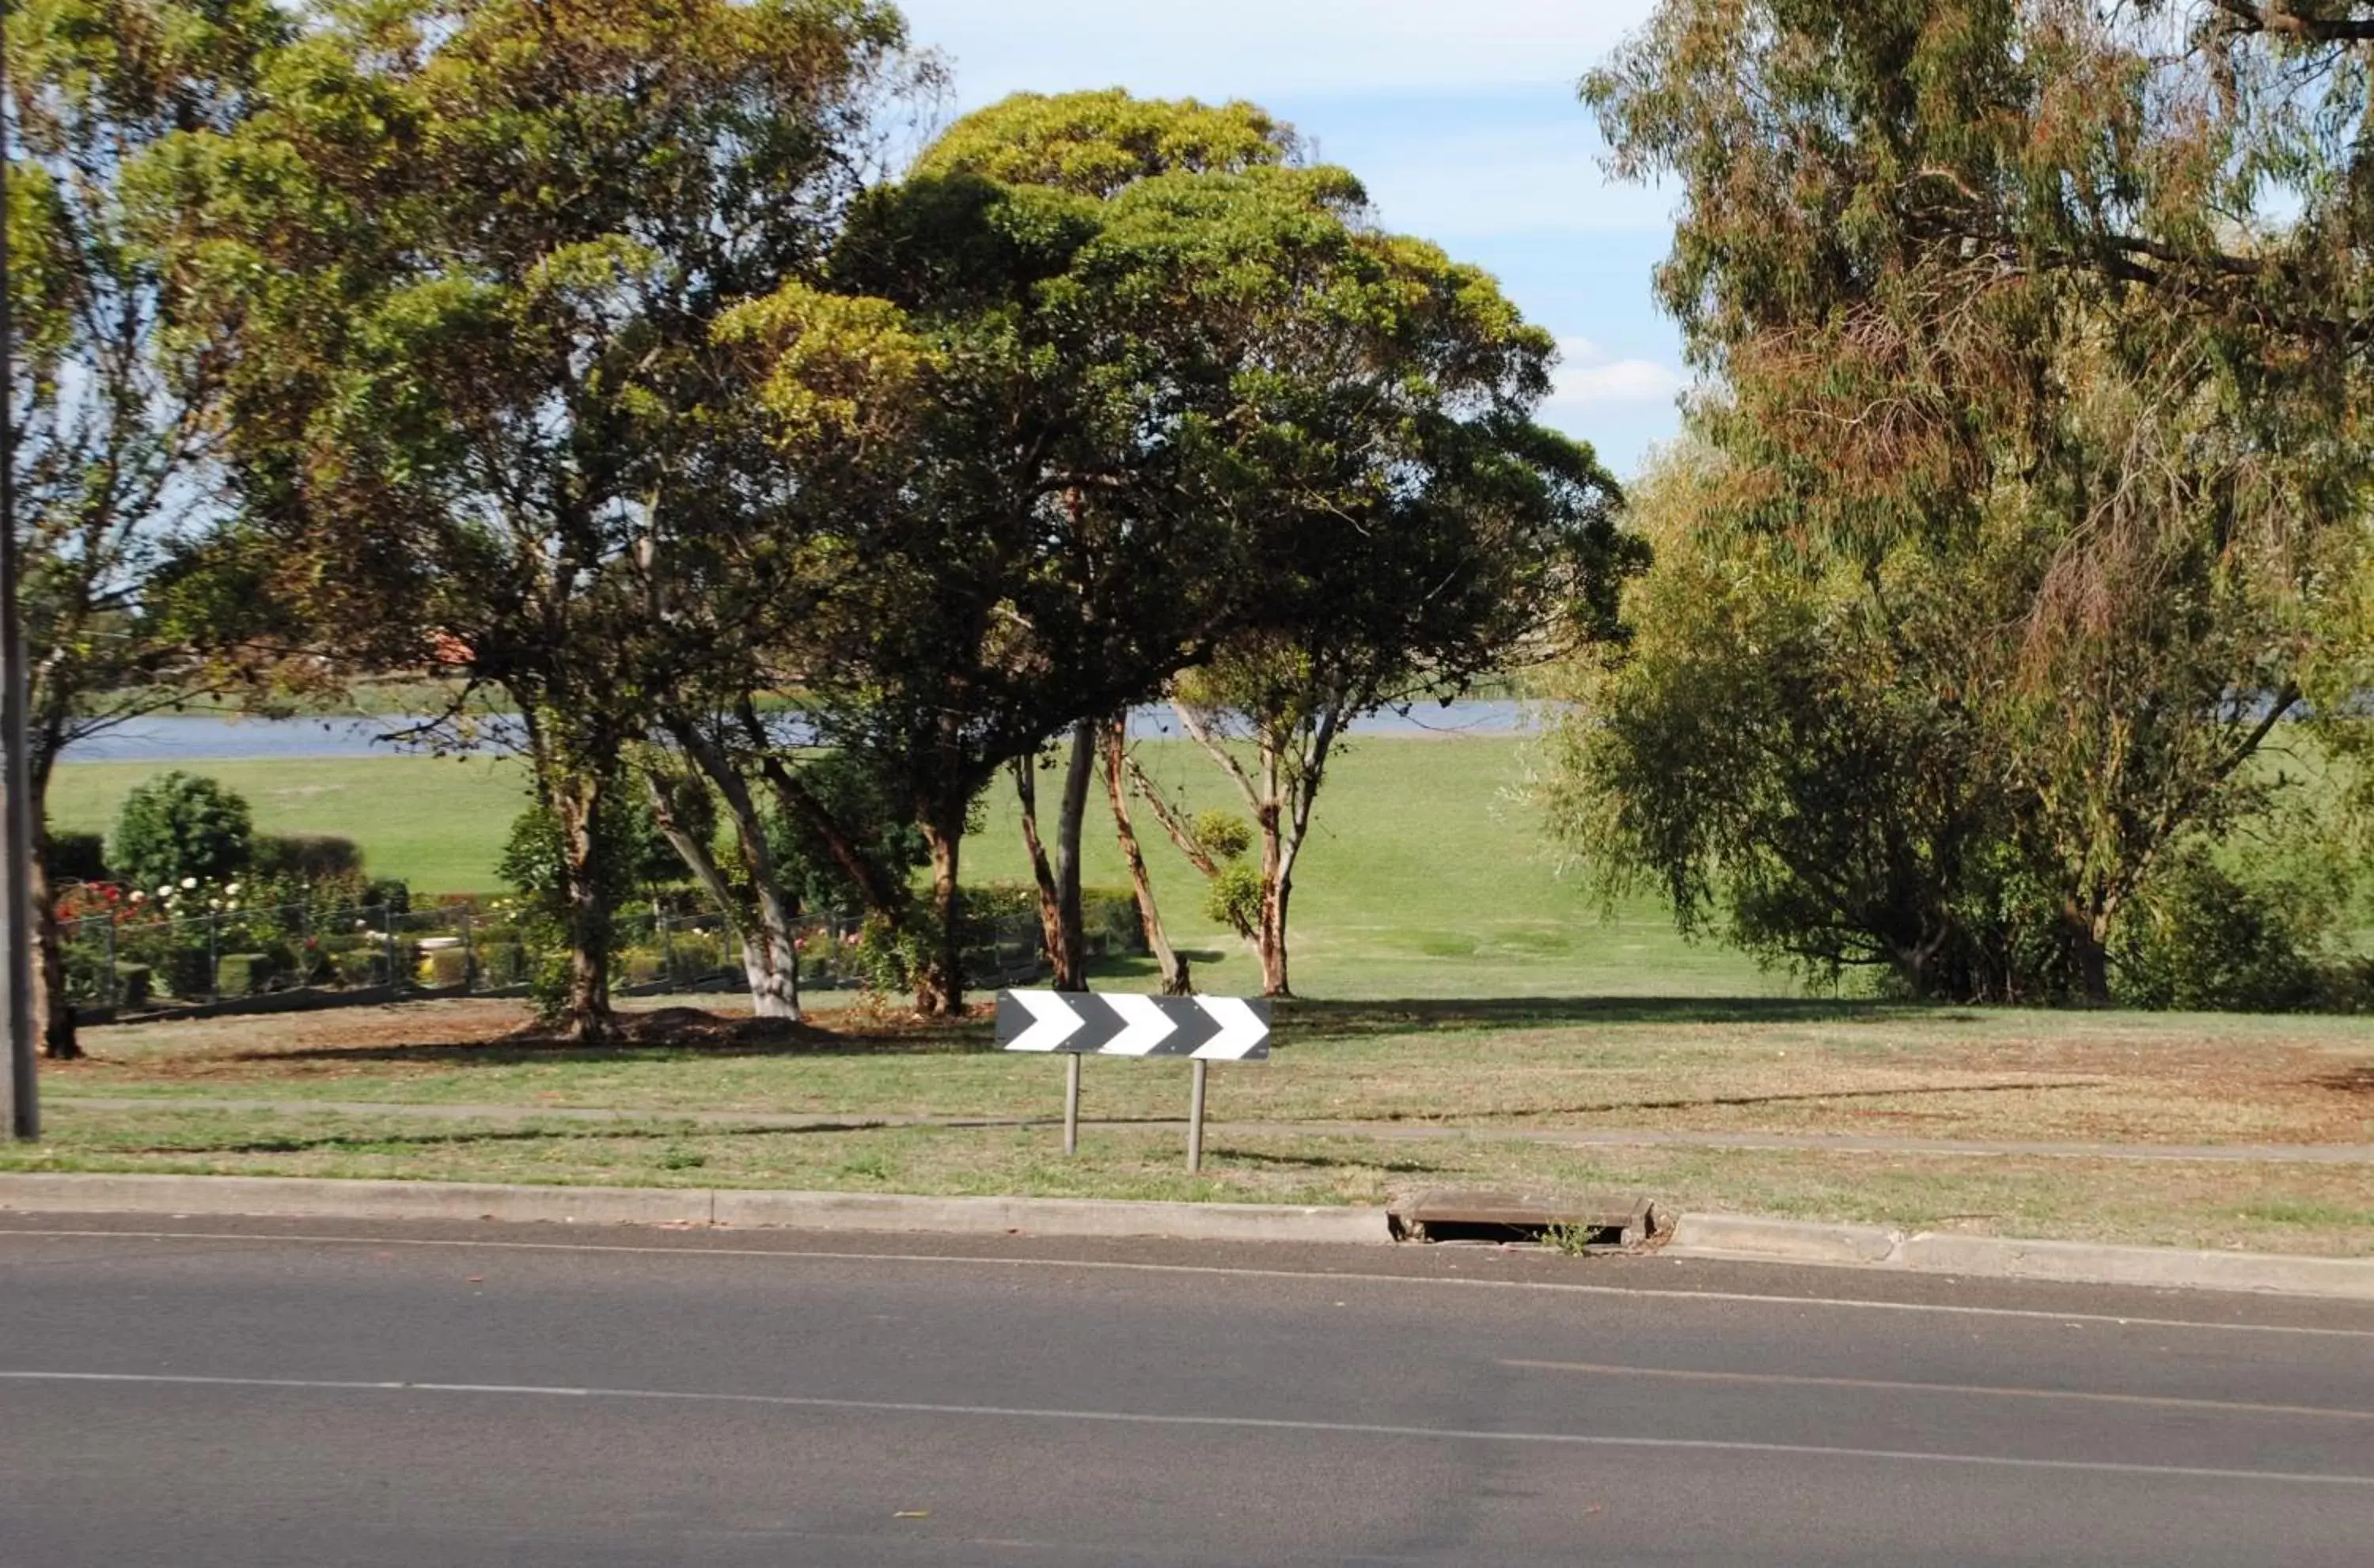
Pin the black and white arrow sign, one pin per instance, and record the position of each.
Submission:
(1211, 1028)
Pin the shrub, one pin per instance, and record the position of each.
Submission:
(74, 857)
(1233, 897)
(1109, 917)
(189, 972)
(132, 984)
(362, 967)
(390, 893)
(695, 954)
(246, 974)
(2208, 942)
(304, 857)
(177, 827)
(1223, 835)
(503, 964)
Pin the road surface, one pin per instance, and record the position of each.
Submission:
(200, 1392)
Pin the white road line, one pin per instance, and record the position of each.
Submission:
(1881, 1386)
(1107, 1266)
(1241, 1423)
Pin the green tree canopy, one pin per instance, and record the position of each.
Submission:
(480, 262)
(1988, 290)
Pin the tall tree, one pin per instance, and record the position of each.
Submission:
(112, 449)
(481, 257)
(2026, 324)
(1054, 553)
(1421, 533)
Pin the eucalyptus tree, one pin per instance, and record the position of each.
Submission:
(481, 259)
(2029, 321)
(113, 448)
(1424, 532)
(1053, 548)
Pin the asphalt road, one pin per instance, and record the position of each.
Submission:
(206, 1392)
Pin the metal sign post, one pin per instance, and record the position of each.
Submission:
(1075, 1024)
(1195, 1118)
(20, 1094)
(1072, 1103)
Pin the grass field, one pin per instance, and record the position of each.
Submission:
(1469, 1004)
(1427, 875)
(1362, 1103)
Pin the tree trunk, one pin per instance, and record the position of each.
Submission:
(2089, 951)
(779, 995)
(939, 977)
(886, 899)
(1060, 955)
(1167, 962)
(53, 1019)
(1276, 888)
(577, 802)
(1070, 914)
(769, 961)
(775, 985)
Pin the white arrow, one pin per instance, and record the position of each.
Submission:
(1240, 1028)
(1148, 1025)
(1052, 1022)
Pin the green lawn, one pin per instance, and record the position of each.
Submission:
(1362, 1102)
(1426, 876)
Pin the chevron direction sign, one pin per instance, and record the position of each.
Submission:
(1204, 1028)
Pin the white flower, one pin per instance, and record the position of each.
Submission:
(189, 882)
(230, 887)
(166, 891)
(137, 896)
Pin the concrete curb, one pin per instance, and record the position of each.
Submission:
(298, 1198)
(1745, 1238)
(1733, 1237)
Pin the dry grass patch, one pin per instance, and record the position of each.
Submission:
(1752, 1066)
(2272, 1206)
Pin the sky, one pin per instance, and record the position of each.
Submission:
(1459, 115)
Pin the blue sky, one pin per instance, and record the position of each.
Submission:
(1460, 117)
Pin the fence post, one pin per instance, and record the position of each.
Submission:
(114, 992)
(469, 955)
(305, 953)
(387, 939)
(667, 952)
(214, 955)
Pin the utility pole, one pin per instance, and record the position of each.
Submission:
(22, 1096)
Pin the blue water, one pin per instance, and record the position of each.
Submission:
(207, 738)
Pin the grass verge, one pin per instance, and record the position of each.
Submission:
(2269, 1206)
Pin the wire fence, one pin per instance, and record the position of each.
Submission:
(128, 964)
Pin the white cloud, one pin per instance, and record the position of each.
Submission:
(1257, 48)
(1588, 378)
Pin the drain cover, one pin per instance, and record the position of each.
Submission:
(1486, 1214)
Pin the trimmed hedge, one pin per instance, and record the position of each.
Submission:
(305, 857)
(132, 984)
(70, 856)
(189, 974)
(246, 974)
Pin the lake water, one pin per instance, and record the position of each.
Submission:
(207, 738)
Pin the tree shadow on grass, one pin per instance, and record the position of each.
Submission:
(459, 1138)
(1300, 1018)
(677, 1034)
(1328, 1162)
(690, 1034)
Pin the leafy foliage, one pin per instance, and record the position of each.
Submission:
(2027, 505)
(177, 827)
